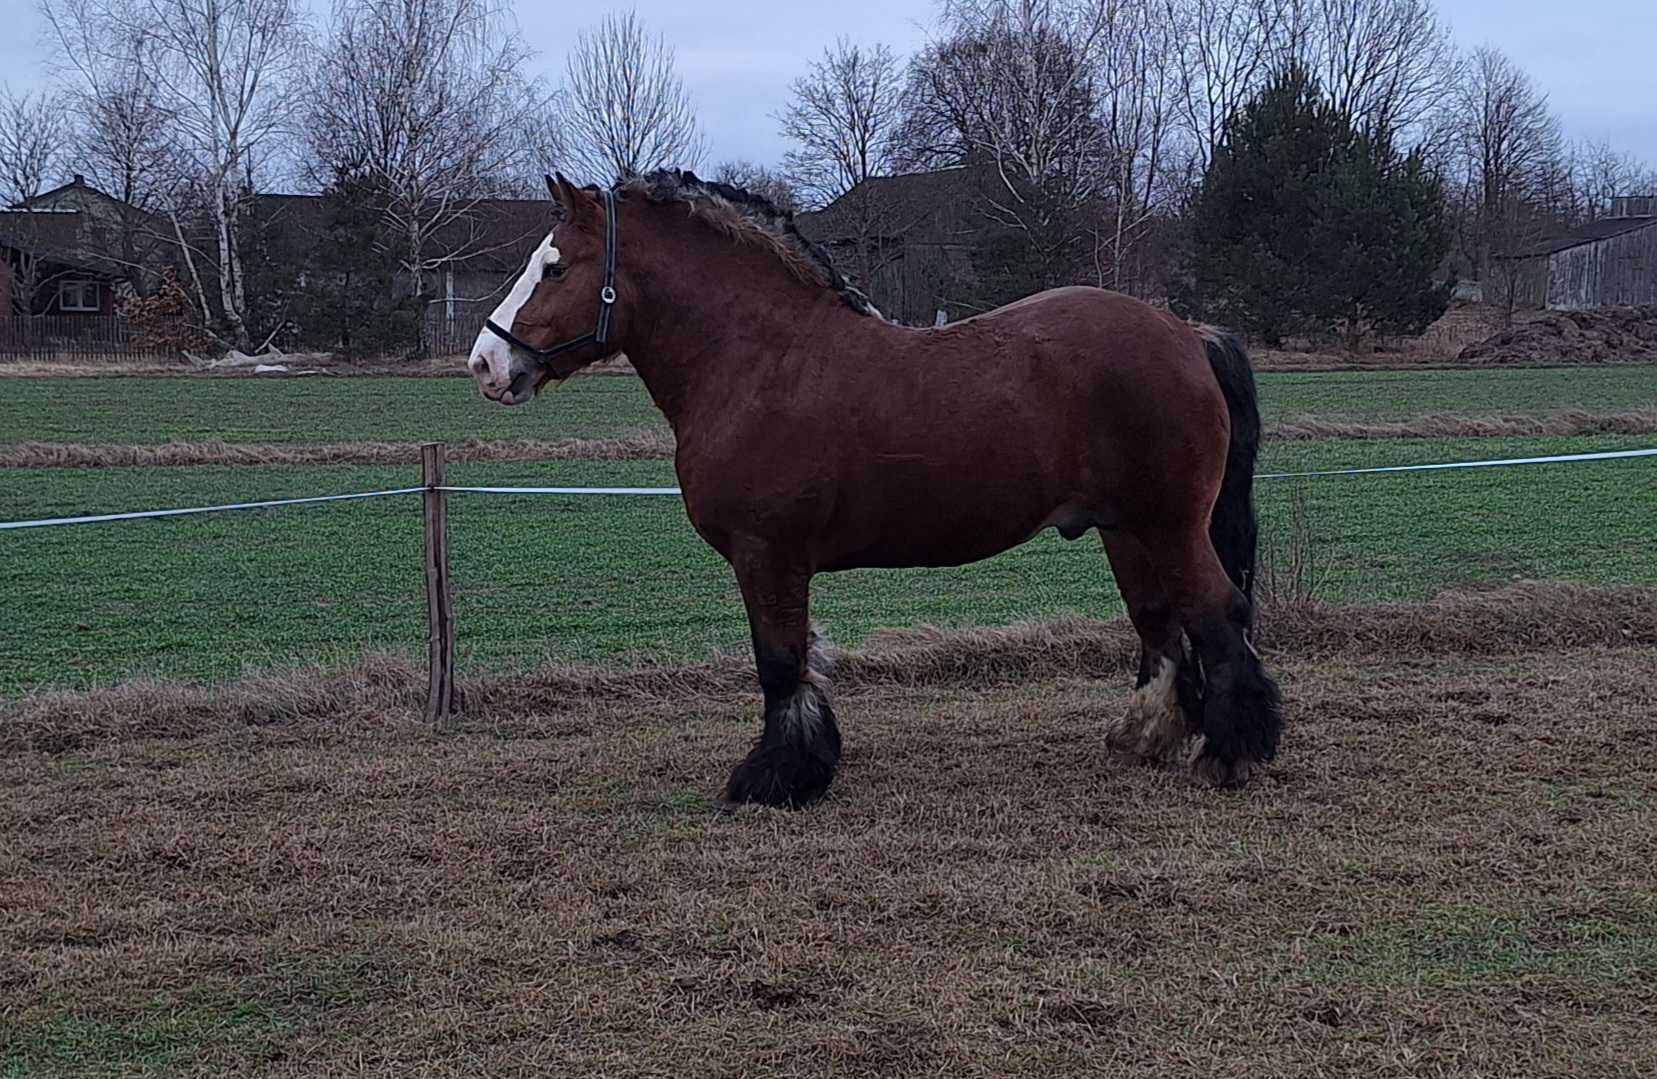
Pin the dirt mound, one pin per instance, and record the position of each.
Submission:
(1611, 335)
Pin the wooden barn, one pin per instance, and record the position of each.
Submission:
(1611, 262)
(916, 229)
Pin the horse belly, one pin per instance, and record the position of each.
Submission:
(908, 528)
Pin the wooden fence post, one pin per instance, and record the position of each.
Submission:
(442, 699)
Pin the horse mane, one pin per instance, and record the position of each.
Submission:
(751, 219)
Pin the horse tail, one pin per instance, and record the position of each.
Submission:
(1233, 529)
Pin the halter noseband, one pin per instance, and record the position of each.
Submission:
(606, 301)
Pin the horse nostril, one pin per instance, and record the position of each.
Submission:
(477, 365)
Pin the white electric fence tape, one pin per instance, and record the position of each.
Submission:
(51, 521)
(564, 490)
(1610, 455)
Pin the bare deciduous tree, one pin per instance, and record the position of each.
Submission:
(545, 142)
(1138, 93)
(627, 109)
(425, 98)
(1036, 75)
(221, 68)
(1075, 105)
(34, 138)
(1601, 173)
(768, 183)
(1013, 88)
(1510, 144)
(841, 117)
(1229, 49)
(124, 146)
(1386, 63)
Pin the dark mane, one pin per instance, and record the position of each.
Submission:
(748, 218)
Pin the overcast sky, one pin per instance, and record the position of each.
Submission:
(1593, 57)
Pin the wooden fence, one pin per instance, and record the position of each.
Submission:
(451, 337)
(452, 325)
(110, 337)
(50, 337)
(443, 697)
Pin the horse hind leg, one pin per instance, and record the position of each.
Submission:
(1241, 718)
(1165, 708)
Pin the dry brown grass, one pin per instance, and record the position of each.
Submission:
(1447, 873)
(113, 367)
(631, 447)
(658, 444)
(384, 690)
(453, 366)
(1564, 422)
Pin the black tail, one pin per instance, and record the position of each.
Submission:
(1233, 530)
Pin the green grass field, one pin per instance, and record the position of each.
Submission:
(601, 578)
(145, 411)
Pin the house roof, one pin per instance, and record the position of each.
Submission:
(54, 237)
(495, 235)
(79, 185)
(926, 206)
(1593, 231)
(78, 182)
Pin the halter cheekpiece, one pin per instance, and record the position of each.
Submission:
(606, 300)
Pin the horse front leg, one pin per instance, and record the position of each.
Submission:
(793, 760)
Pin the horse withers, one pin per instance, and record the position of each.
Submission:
(813, 435)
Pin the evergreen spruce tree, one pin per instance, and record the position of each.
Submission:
(1305, 224)
(333, 284)
(1384, 225)
(350, 296)
(1009, 263)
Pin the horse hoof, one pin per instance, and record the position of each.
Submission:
(1158, 741)
(1207, 770)
(779, 776)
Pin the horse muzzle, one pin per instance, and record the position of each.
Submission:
(521, 390)
(516, 385)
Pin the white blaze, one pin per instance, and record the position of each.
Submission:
(494, 351)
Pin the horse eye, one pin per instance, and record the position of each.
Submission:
(552, 270)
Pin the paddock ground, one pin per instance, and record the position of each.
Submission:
(229, 845)
(1447, 872)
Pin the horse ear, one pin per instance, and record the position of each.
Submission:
(575, 202)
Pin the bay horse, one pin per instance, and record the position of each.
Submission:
(813, 436)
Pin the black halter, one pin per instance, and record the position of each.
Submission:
(606, 300)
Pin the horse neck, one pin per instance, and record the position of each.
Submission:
(711, 313)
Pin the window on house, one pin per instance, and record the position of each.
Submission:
(78, 296)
